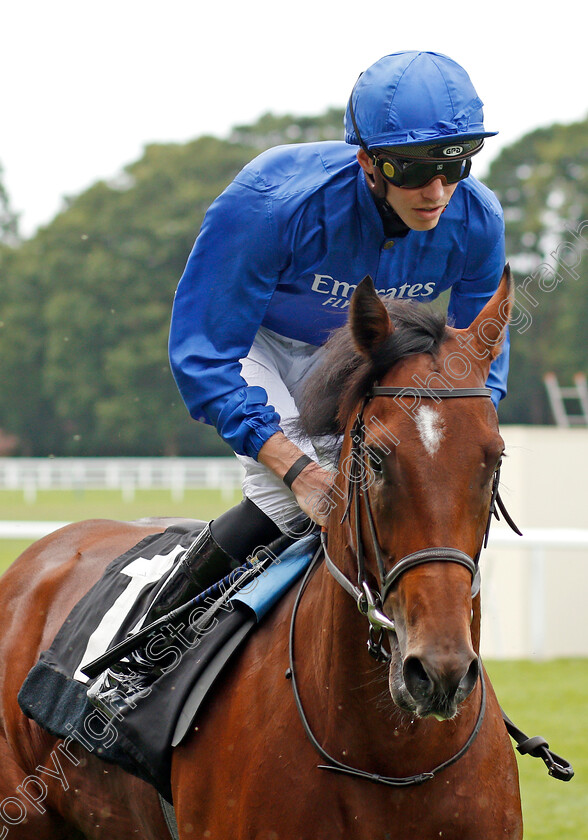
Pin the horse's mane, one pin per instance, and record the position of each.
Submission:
(334, 388)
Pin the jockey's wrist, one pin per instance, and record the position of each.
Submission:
(295, 470)
(279, 454)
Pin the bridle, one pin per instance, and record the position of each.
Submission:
(370, 602)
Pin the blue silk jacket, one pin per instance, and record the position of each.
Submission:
(284, 246)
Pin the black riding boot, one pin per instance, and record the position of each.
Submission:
(204, 563)
(221, 547)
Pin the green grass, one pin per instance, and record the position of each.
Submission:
(549, 699)
(542, 698)
(75, 505)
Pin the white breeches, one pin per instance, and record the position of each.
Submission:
(280, 365)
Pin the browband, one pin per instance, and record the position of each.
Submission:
(431, 393)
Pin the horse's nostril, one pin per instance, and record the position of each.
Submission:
(470, 678)
(416, 679)
(429, 681)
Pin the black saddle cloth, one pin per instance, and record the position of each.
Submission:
(141, 738)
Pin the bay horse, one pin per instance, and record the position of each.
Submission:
(307, 737)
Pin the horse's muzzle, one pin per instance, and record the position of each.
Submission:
(437, 686)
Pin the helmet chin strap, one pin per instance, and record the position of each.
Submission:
(394, 226)
(377, 183)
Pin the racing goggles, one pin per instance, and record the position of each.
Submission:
(411, 174)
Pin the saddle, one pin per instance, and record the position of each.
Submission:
(190, 653)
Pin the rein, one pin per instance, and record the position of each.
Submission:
(370, 602)
(337, 766)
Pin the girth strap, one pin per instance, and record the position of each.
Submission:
(169, 816)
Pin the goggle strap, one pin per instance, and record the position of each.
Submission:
(352, 115)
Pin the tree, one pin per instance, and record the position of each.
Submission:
(87, 303)
(102, 277)
(8, 219)
(542, 183)
(271, 130)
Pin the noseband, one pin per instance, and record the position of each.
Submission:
(369, 602)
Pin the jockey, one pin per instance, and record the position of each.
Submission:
(275, 263)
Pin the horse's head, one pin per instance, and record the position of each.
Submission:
(430, 462)
(417, 471)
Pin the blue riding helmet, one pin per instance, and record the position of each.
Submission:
(414, 98)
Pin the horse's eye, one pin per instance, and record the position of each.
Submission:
(375, 462)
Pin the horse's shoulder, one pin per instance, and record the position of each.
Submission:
(71, 558)
(77, 554)
(44, 583)
(162, 522)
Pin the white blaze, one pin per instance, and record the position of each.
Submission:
(430, 428)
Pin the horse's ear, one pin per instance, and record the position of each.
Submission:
(368, 318)
(489, 327)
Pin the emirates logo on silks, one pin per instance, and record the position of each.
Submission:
(452, 151)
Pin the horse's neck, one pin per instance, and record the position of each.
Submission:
(345, 688)
(345, 692)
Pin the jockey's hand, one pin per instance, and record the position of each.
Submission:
(311, 487)
(312, 490)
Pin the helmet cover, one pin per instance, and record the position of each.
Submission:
(411, 98)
